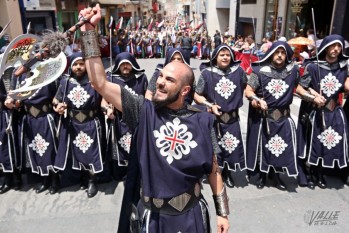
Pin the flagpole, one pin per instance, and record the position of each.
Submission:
(110, 47)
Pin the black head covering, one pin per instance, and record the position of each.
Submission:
(171, 52)
(272, 49)
(72, 59)
(215, 53)
(125, 57)
(328, 41)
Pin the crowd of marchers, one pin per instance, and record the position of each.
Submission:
(67, 125)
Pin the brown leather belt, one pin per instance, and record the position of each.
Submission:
(82, 115)
(229, 117)
(175, 205)
(38, 110)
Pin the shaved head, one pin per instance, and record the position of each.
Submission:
(183, 72)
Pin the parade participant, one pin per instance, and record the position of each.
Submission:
(126, 73)
(175, 54)
(326, 144)
(186, 44)
(271, 131)
(80, 134)
(169, 136)
(10, 160)
(220, 87)
(39, 134)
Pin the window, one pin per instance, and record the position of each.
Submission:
(248, 1)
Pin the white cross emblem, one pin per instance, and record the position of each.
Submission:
(83, 141)
(225, 87)
(276, 145)
(78, 96)
(174, 140)
(277, 87)
(229, 142)
(329, 84)
(125, 142)
(329, 138)
(39, 145)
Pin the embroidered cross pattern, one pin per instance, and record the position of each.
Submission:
(277, 88)
(125, 142)
(276, 145)
(330, 84)
(174, 140)
(39, 145)
(83, 141)
(225, 87)
(329, 138)
(78, 96)
(229, 142)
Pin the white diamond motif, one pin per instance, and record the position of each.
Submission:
(276, 145)
(174, 140)
(39, 145)
(330, 84)
(229, 142)
(125, 142)
(225, 87)
(78, 96)
(329, 138)
(277, 87)
(83, 141)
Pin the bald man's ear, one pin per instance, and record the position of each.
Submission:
(186, 90)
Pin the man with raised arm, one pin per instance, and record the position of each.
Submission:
(175, 145)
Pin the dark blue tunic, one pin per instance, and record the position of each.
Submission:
(81, 139)
(174, 152)
(121, 135)
(40, 131)
(277, 149)
(9, 152)
(328, 142)
(226, 89)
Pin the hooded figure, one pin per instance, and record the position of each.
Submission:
(80, 133)
(271, 131)
(127, 73)
(220, 87)
(322, 126)
(175, 54)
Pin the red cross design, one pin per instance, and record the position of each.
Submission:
(78, 95)
(278, 87)
(330, 85)
(330, 138)
(174, 140)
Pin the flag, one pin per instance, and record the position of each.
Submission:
(128, 26)
(187, 24)
(111, 22)
(161, 23)
(119, 24)
(176, 23)
(150, 25)
(138, 26)
(199, 26)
